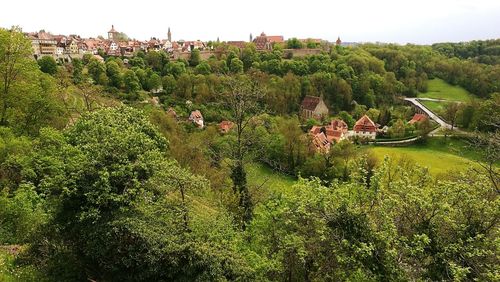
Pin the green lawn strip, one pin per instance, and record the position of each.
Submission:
(439, 89)
(434, 106)
(438, 154)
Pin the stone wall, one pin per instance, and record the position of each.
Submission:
(300, 52)
(204, 55)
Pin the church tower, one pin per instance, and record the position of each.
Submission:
(111, 33)
(251, 37)
(169, 35)
(338, 42)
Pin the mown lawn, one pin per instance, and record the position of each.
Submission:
(438, 154)
(434, 106)
(439, 89)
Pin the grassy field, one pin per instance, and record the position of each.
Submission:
(264, 180)
(438, 154)
(434, 106)
(439, 89)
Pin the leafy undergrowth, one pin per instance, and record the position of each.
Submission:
(11, 271)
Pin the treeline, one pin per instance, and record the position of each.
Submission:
(342, 77)
(479, 79)
(480, 51)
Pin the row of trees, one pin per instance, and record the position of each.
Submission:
(481, 51)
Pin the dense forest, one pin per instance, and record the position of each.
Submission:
(98, 182)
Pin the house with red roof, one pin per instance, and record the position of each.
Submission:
(364, 128)
(313, 107)
(197, 118)
(332, 133)
(417, 118)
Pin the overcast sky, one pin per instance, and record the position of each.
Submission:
(417, 21)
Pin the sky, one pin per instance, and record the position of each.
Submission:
(417, 21)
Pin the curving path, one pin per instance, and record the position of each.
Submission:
(431, 114)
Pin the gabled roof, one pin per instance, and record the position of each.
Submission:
(338, 124)
(365, 124)
(315, 129)
(310, 102)
(417, 118)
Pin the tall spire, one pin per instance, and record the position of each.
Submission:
(251, 37)
(169, 35)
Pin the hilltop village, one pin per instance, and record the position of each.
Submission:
(118, 44)
(324, 134)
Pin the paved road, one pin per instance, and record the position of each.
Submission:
(431, 114)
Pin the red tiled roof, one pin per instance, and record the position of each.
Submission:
(310, 102)
(417, 118)
(365, 124)
(339, 124)
(315, 129)
(275, 39)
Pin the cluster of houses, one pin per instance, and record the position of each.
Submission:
(324, 137)
(44, 43)
(116, 44)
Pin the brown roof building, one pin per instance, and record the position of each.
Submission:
(417, 118)
(365, 128)
(313, 107)
(336, 131)
(264, 42)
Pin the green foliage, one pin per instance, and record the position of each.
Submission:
(397, 130)
(294, 43)
(203, 68)
(128, 212)
(131, 82)
(77, 70)
(113, 72)
(397, 228)
(48, 65)
(21, 214)
(194, 58)
(97, 71)
(236, 66)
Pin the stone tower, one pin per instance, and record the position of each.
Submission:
(251, 37)
(169, 35)
(338, 42)
(111, 33)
